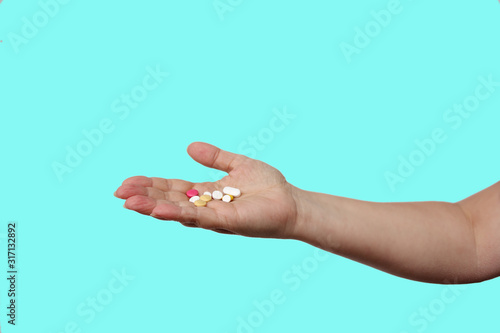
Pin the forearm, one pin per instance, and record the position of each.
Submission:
(423, 241)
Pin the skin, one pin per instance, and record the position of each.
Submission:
(434, 242)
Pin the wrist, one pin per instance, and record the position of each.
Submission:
(302, 222)
(317, 219)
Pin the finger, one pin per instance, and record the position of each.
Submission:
(213, 157)
(127, 191)
(171, 185)
(189, 225)
(145, 205)
(159, 183)
(223, 231)
(203, 217)
(141, 204)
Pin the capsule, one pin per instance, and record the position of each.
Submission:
(235, 192)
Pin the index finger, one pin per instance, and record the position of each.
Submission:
(166, 185)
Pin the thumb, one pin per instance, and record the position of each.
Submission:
(214, 157)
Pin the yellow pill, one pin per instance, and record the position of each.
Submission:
(206, 198)
(227, 198)
(200, 203)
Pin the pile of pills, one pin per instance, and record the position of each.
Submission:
(227, 195)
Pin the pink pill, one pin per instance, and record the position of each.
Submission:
(192, 193)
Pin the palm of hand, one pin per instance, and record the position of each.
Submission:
(266, 207)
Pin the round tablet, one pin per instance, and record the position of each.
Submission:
(227, 198)
(192, 193)
(193, 199)
(217, 195)
(206, 198)
(200, 203)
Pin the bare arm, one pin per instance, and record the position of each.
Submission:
(483, 210)
(437, 242)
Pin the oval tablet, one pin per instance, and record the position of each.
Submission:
(206, 198)
(192, 193)
(217, 195)
(200, 203)
(193, 199)
(235, 192)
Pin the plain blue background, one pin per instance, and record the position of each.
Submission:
(226, 76)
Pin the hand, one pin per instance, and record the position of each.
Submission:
(266, 208)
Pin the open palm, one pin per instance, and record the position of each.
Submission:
(266, 207)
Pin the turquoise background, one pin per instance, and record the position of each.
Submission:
(226, 76)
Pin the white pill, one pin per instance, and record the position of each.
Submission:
(235, 192)
(227, 198)
(193, 199)
(217, 195)
(208, 193)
